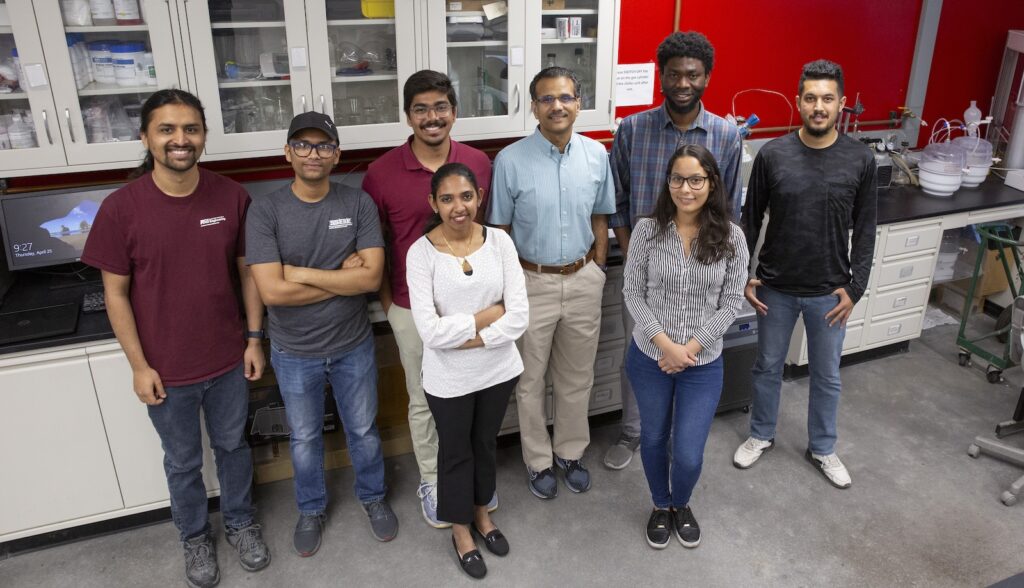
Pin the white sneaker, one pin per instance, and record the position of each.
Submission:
(751, 450)
(832, 468)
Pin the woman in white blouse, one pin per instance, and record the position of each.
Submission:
(468, 299)
(683, 284)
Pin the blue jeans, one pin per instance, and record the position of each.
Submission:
(677, 408)
(353, 378)
(824, 348)
(225, 404)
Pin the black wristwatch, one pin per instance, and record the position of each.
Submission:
(254, 334)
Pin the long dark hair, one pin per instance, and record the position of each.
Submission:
(447, 170)
(156, 100)
(713, 239)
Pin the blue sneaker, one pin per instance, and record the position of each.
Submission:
(428, 505)
(493, 504)
(577, 478)
(543, 483)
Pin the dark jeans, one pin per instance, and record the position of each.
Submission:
(467, 432)
(353, 378)
(225, 403)
(675, 408)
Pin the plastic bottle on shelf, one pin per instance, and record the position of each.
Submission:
(126, 59)
(127, 12)
(149, 69)
(550, 62)
(16, 64)
(81, 80)
(21, 133)
(102, 12)
(5, 139)
(972, 116)
(102, 62)
(76, 13)
(83, 53)
(581, 68)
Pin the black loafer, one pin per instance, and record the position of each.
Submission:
(494, 541)
(472, 563)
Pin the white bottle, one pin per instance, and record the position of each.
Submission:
(76, 13)
(149, 73)
(102, 12)
(21, 133)
(972, 116)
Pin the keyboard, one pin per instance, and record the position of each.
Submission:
(94, 302)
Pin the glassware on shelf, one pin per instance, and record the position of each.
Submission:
(76, 13)
(102, 12)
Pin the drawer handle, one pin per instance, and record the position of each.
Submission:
(912, 241)
(894, 330)
(906, 272)
(901, 301)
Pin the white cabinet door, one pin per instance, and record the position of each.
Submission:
(134, 444)
(488, 64)
(29, 136)
(252, 72)
(56, 464)
(359, 58)
(99, 107)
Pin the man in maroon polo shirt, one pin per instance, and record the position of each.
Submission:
(399, 182)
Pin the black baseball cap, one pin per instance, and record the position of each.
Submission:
(313, 120)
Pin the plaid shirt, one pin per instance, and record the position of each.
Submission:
(642, 147)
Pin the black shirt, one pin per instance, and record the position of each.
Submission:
(814, 197)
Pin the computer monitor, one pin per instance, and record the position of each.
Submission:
(48, 228)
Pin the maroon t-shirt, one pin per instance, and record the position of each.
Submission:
(181, 256)
(399, 185)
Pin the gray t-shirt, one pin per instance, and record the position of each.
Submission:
(281, 228)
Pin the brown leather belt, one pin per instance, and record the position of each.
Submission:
(564, 270)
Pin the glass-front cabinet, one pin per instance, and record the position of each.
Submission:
(105, 58)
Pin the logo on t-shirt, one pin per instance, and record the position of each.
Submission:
(339, 223)
(209, 222)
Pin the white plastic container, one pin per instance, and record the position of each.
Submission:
(148, 69)
(941, 169)
(102, 62)
(21, 133)
(127, 60)
(978, 154)
(76, 13)
(102, 12)
(127, 12)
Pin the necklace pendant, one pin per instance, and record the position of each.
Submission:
(466, 268)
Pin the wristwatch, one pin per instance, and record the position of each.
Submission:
(254, 334)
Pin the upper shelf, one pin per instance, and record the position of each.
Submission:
(107, 29)
(269, 24)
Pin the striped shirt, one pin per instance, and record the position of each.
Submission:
(669, 292)
(644, 143)
(548, 197)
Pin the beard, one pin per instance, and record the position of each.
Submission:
(178, 165)
(682, 109)
(830, 124)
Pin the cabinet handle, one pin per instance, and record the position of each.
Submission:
(303, 103)
(46, 125)
(515, 91)
(71, 130)
(323, 109)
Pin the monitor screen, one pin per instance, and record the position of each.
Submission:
(48, 228)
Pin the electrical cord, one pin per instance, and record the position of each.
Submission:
(779, 94)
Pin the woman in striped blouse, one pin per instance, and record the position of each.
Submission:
(684, 279)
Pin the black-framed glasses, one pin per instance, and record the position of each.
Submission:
(304, 148)
(695, 182)
(440, 109)
(565, 99)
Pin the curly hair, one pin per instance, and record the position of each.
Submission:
(688, 44)
(821, 69)
(713, 240)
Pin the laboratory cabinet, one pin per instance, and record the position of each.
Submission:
(255, 64)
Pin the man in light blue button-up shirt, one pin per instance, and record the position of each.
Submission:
(554, 191)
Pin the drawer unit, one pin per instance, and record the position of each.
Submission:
(860, 310)
(605, 396)
(894, 329)
(899, 300)
(905, 270)
(853, 338)
(901, 240)
(611, 324)
(613, 287)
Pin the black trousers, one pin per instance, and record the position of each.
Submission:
(467, 434)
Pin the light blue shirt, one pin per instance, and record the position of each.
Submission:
(548, 197)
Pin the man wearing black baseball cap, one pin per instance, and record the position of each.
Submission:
(315, 249)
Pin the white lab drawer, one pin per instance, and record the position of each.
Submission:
(613, 287)
(994, 214)
(611, 324)
(896, 328)
(853, 337)
(609, 359)
(899, 300)
(605, 393)
(908, 240)
(905, 270)
(860, 310)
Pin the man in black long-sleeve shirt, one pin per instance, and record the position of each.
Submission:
(819, 186)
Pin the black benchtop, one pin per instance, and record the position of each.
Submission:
(899, 204)
(906, 203)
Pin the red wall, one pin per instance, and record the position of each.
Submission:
(763, 44)
(968, 52)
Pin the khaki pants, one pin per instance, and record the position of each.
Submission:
(565, 320)
(421, 422)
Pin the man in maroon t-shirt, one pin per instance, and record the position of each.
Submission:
(399, 183)
(171, 248)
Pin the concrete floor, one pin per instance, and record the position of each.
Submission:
(920, 512)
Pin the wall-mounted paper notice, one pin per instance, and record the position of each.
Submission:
(634, 84)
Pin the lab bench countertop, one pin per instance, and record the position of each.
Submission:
(907, 203)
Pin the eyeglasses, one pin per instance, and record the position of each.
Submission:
(440, 109)
(565, 99)
(304, 148)
(695, 182)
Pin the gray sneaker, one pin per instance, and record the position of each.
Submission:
(383, 522)
(201, 569)
(308, 531)
(619, 455)
(253, 553)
